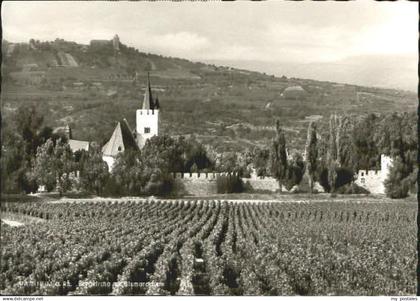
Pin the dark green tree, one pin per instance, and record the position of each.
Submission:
(130, 172)
(295, 171)
(54, 166)
(163, 153)
(332, 153)
(22, 134)
(44, 172)
(228, 162)
(194, 153)
(93, 170)
(64, 166)
(261, 157)
(365, 152)
(398, 183)
(311, 152)
(278, 156)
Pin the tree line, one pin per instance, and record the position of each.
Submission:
(336, 151)
(33, 155)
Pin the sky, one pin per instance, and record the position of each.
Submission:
(270, 31)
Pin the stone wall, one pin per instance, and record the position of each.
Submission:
(202, 175)
(195, 186)
(372, 180)
(202, 184)
(262, 184)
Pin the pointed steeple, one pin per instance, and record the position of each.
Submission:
(157, 105)
(68, 132)
(148, 103)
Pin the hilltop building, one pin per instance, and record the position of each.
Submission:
(116, 43)
(147, 126)
(99, 43)
(373, 180)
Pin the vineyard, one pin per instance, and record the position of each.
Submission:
(207, 247)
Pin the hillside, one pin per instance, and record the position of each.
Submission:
(390, 71)
(91, 86)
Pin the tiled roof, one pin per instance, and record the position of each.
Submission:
(76, 145)
(121, 139)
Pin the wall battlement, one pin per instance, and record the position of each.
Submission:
(148, 112)
(201, 176)
(373, 180)
(368, 173)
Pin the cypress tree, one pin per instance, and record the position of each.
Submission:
(278, 156)
(311, 157)
(332, 153)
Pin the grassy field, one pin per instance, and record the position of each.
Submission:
(355, 246)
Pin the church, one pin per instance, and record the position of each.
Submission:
(147, 126)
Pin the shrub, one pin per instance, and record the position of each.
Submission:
(248, 187)
(229, 184)
(112, 188)
(352, 188)
(160, 184)
(344, 176)
(398, 183)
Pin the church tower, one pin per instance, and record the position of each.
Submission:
(147, 118)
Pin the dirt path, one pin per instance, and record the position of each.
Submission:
(240, 199)
(12, 223)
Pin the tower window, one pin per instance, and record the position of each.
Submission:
(119, 148)
(146, 130)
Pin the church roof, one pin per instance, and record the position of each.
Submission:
(148, 102)
(121, 139)
(76, 145)
(157, 105)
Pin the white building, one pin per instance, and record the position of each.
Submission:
(147, 118)
(116, 43)
(147, 126)
(122, 139)
(76, 145)
(374, 180)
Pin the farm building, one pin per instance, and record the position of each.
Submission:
(76, 145)
(373, 180)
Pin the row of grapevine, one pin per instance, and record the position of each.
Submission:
(188, 247)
